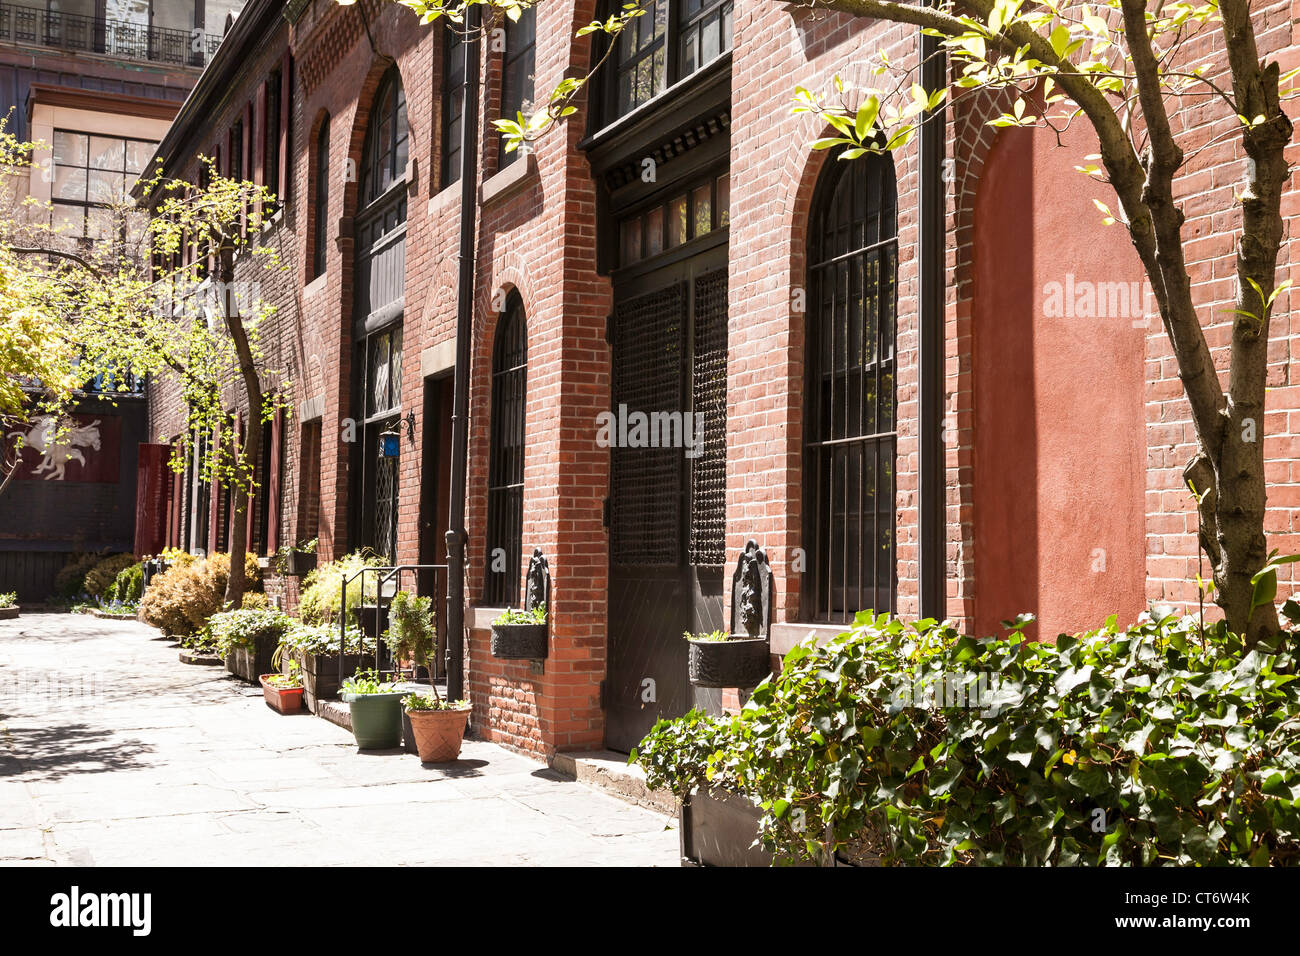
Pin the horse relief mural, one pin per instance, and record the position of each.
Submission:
(81, 448)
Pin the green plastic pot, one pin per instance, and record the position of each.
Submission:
(376, 719)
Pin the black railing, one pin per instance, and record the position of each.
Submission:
(71, 31)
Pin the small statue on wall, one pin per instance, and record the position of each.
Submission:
(751, 594)
(537, 589)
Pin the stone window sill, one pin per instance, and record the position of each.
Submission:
(514, 177)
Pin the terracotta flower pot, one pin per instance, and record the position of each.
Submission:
(438, 733)
(287, 700)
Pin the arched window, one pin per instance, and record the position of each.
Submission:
(850, 430)
(385, 153)
(321, 200)
(505, 526)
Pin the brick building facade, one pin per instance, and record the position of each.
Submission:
(676, 245)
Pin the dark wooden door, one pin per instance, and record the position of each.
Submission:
(669, 347)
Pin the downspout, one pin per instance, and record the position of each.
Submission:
(932, 586)
(464, 333)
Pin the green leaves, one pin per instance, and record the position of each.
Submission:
(1154, 748)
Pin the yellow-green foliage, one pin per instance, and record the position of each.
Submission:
(321, 595)
(105, 573)
(181, 600)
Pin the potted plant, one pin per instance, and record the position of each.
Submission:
(376, 710)
(283, 692)
(520, 635)
(412, 629)
(312, 650)
(297, 560)
(438, 725)
(248, 639)
(717, 659)
(8, 605)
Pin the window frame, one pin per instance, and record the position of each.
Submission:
(829, 223)
(321, 200)
(87, 204)
(511, 54)
(451, 121)
(376, 155)
(507, 429)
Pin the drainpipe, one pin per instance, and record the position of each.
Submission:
(930, 387)
(464, 332)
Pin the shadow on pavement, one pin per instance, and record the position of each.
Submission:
(64, 750)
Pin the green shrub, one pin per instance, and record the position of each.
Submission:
(129, 584)
(71, 579)
(1159, 744)
(243, 628)
(182, 599)
(412, 630)
(321, 597)
(103, 575)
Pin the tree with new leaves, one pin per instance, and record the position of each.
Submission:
(154, 294)
(1125, 68)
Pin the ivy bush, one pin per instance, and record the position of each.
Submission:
(1161, 744)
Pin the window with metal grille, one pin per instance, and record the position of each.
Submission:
(667, 43)
(271, 139)
(849, 425)
(517, 67)
(709, 403)
(505, 526)
(453, 91)
(387, 139)
(320, 235)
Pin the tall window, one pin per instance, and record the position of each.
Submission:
(850, 427)
(271, 138)
(505, 527)
(321, 203)
(517, 68)
(92, 173)
(385, 153)
(237, 151)
(667, 43)
(453, 92)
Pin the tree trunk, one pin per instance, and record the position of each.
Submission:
(250, 453)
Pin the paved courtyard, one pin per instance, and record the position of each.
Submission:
(112, 752)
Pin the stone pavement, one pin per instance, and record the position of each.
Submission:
(112, 752)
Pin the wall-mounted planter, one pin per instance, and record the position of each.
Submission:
(249, 663)
(739, 662)
(287, 700)
(299, 563)
(518, 642)
(376, 719)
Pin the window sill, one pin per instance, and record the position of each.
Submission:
(315, 286)
(481, 618)
(786, 634)
(508, 180)
(446, 198)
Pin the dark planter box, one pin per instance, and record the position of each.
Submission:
(298, 563)
(249, 663)
(320, 674)
(519, 642)
(719, 828)
(734, 663)
(8, 613)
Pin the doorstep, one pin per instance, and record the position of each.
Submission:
(610, 772)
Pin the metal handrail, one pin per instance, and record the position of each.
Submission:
(75, 31)
(390, 571)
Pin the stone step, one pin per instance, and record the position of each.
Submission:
(610, 772)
